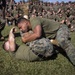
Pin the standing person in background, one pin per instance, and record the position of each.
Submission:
(2, 17)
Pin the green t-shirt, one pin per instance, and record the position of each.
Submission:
(49, 27)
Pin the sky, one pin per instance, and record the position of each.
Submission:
(51, 0)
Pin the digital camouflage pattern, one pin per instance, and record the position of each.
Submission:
(42, 46)
(63, 39)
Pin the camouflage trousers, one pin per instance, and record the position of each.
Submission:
(42, 47)
(62, 37)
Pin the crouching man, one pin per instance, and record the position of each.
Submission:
(39, 49)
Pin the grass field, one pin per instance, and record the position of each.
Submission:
(11, 66)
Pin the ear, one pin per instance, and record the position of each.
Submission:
(26, 22)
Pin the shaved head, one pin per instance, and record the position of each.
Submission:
(22, 20)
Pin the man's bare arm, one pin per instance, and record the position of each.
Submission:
(32, 36)
(11, 39)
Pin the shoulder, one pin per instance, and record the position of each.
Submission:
(34, 19)
(34, 22)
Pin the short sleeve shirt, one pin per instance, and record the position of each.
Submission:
(49, 27)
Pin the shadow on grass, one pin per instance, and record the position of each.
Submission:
(58, 50)
(62, 51)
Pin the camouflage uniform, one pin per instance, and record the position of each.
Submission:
(35, 50)
(42, 46)
(15, 15)
(63, 39)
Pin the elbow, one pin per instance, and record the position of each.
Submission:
(38, 35)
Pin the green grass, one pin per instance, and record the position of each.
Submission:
(12, 66)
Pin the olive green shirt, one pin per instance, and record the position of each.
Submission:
(14, 12)
(49, 27)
